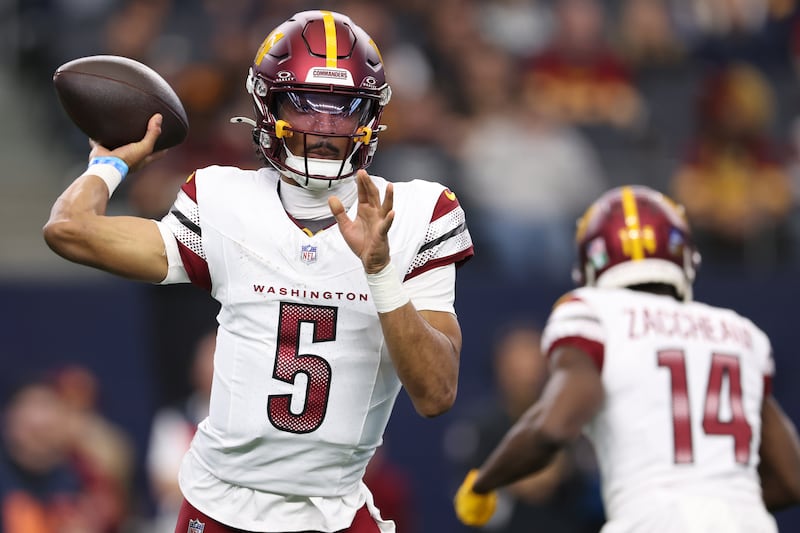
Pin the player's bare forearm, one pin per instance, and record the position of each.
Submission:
(68, 230)
(425, 349)
(524, 450)
(126, 246)
(572, 396)
(79, 231)
(780, 458)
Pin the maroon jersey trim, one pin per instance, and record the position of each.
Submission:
(594, 349)
(190, 187)
(458, 259)
(195, 266)
(446, 203)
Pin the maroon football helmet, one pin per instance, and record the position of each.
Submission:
(319, 66)
(635, 235)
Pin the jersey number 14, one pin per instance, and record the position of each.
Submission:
(737, 426)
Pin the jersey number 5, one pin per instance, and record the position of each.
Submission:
(289, 363)
(737, 427)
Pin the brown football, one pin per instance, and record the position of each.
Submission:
(111, 98)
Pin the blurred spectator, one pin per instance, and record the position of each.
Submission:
(171, 433)
(134, 27)
(731, 17)
(734, 181)
(520, 27)
(579, 77)
(563, 498)
(451, 36)
(206, 75)
(647, 34)
(756, 31)
(419, 123)
(40, 488)
(525, 176)
(101, 452)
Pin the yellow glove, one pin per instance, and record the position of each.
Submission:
(471, 508)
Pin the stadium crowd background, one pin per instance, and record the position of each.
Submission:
(527, 109)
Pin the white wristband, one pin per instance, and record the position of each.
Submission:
(111, 170)
(387, 290)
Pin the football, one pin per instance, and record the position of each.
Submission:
(111, 98)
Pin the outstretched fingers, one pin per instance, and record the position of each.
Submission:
(387, 210)
(388, 200)
(338, 211)
(367, 191)
(372, 211)
(386, 223)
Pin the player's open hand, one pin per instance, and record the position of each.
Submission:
(474, 509)
(367, 235)
(136, 154)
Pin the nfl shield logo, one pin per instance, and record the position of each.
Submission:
(308, 254)
(195, 526)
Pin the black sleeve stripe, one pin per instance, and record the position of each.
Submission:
(455, 231)
(188, 224)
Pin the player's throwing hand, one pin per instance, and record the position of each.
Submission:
(136, 154)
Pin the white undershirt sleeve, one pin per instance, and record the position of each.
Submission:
(175, 271)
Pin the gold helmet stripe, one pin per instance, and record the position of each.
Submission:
(634, 237)
(331, 52)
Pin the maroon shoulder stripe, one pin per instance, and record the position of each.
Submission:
(594, 349)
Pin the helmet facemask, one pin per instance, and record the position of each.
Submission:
(316, 137)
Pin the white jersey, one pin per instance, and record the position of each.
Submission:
(303, 383)
(678, 436)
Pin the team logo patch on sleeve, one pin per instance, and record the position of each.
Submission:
(196, 526)
(308, 254)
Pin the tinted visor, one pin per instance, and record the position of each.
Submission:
(303, 110)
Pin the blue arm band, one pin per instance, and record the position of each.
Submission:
(116, 162)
